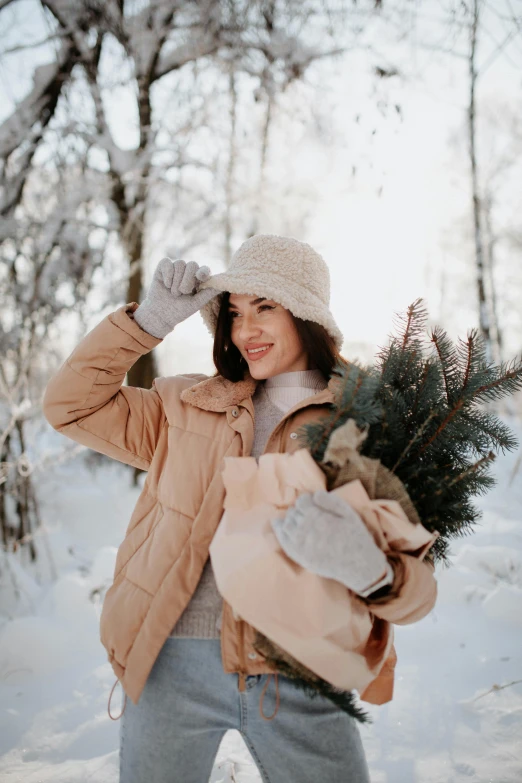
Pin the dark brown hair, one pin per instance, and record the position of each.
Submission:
(320, 347)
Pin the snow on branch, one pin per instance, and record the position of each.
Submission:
(47, 82)
(184, 53)
(79, 18)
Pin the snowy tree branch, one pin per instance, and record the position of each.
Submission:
(28, 122)
(38, 105)
(184, 54)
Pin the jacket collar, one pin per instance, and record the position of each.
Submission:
(217, 393)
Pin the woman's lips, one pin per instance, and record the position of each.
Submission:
(253, 357)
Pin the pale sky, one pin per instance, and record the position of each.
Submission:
(385, 249)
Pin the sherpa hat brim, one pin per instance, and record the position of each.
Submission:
(308, 307)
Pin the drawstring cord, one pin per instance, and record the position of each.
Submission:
(109, 702)
(263, 693)
(269, 717)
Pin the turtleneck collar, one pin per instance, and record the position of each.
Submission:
(308, 379)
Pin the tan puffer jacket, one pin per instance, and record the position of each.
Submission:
(179, 431)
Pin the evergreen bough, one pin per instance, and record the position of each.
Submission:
(422, 410)
(422, 407)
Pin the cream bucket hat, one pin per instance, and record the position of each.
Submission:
(280, 268)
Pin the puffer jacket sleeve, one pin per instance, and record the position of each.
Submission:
(86, 400)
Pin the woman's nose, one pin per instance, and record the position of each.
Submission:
(247, 328)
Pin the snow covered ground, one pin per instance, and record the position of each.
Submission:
(451, 719)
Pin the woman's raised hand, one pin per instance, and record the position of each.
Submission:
(173, 296)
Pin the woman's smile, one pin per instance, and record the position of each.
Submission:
(254, 354)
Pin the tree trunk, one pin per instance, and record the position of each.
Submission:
(25, 501)
(484, 321)
(4, 459)
(262, 166)
(232, 155)
(143, 372)
(490, 262)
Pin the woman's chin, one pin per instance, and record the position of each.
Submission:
(263, 369)
(261, 373)
(258, 373)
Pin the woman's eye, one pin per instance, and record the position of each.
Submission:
(261, 307)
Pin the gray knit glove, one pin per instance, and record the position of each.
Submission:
(324, 534)
(173, 296)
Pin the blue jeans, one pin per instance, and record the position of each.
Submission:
(173, 734)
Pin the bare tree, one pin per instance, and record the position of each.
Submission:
(156, 42)
(483, 307)
(490, 256)
(49, 252)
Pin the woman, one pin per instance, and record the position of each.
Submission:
(186, 662)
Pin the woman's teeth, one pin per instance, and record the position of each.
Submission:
(256, 351)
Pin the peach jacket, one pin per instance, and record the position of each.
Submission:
(180, 431)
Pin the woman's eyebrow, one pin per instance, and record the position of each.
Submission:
(253, 302)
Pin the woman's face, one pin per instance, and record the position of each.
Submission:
(258, 322)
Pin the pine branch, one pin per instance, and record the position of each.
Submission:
(470, 345)
(495, 433)
(447, 357)
(512, 379)
(473, 468)
(424, 421)
(414, 439)
(415, 318)
(421, 387)
(508, 380)
(414, 324)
